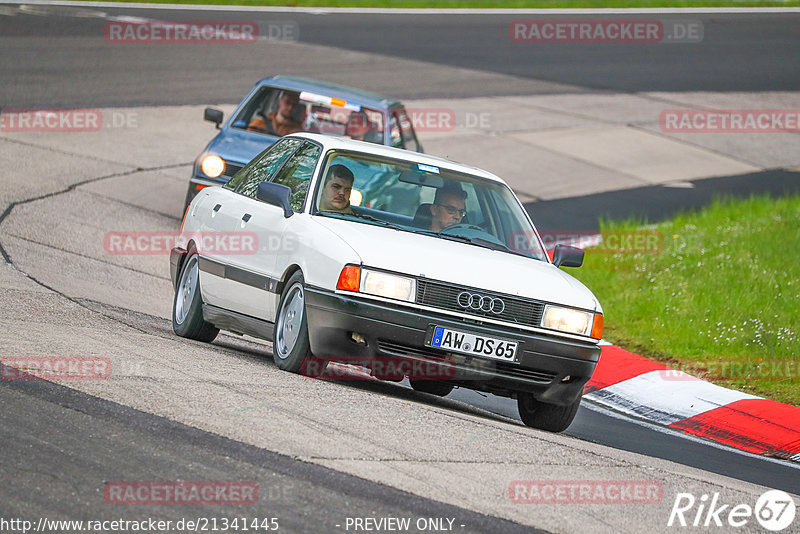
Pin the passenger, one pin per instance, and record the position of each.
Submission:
(283, 121)
(448, 208)
(358, 126)
(336, 191)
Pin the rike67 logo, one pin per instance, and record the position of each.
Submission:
(774, 510)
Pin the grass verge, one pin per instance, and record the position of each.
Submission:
(719, 300)
(486, 4)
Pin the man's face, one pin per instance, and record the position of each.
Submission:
(357, 126)
(335, 194)
(287, 102)
(447, 212)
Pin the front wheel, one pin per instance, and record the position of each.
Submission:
(187, 306)
(291, 349)
(550, 417)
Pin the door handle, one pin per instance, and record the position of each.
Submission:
(246, 217)
(217, 207)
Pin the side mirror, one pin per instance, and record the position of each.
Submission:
(566, 256)
(213, 115)
(277, 195)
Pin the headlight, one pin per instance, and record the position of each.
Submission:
(212, 166)
(388, 285)
(567, 320)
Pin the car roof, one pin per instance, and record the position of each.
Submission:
(364, 98)
(343, 143)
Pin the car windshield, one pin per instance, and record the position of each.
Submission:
(280, 112)
(425, 199)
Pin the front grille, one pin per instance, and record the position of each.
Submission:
(231, 169)
(445, 296)
(396, 349)
(519, 372)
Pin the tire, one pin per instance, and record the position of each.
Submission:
(187, 306)
(434, 387)
(550, 417)
(290, 346)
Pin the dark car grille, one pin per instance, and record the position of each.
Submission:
(506, 369)
(445, 296)
(231, 169)
(397, 349)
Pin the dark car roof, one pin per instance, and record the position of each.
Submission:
(357, 96)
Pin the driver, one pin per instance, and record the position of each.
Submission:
(448, 208)
(282, 121)
(336, 191)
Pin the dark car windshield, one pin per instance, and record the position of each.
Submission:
(426, 199)
(280, 112)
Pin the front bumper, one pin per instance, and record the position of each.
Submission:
(554, 370)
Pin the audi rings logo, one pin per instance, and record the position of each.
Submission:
(476, 302)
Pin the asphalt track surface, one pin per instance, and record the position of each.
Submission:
(53, 57)
(57, 59)
(63, 425)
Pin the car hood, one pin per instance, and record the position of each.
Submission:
(460, 263)
(239, 146)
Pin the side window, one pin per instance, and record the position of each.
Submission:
(395, 136)
(257, 107)
(406, 131)
(262, 167)
(297, 172)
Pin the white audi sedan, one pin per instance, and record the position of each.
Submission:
(404, 264)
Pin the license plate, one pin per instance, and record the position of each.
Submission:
(466, 343)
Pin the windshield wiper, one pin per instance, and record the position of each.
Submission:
(366, 217)
(477, 241)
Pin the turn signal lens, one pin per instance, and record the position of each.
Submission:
(212, 166)
(597, 326)
(349, 278)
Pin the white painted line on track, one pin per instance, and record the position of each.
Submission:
(416, 11)
(591, 404)
(666, 396)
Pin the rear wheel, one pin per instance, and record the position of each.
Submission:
(434, 387)
(550, 417)
(187, 306)
(291, 349)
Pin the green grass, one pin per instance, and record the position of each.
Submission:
(721, 300)
(544, 4)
